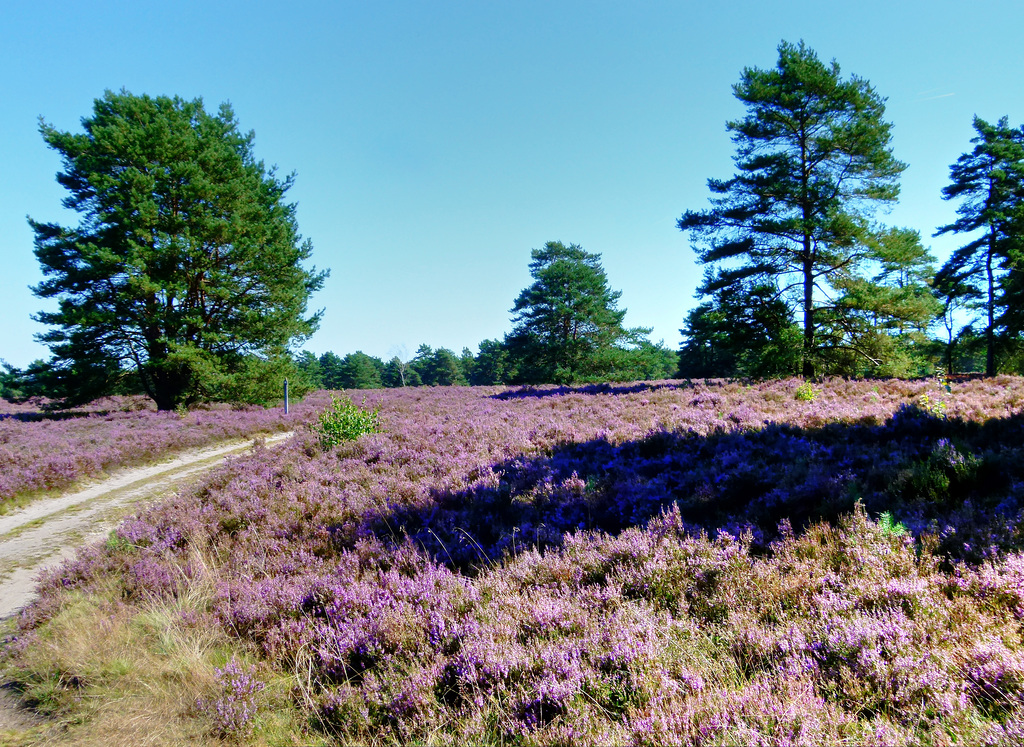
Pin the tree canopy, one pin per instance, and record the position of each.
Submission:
(989, 183)
(813, 159)
(186, 266)
(567, 324)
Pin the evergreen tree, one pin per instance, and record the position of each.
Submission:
(883, 319)
(186, 265)
(493, 364)
(566, 318)
(989, 182)
(330, 371)
(438, 367)
(360, 371)
(309, 368)
(467, 363)
(813, 159)
(398, 373)
(743, 330)
(955, 294)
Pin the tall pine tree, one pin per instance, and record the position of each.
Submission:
(813, 160)
(989, 183)
(186, 264)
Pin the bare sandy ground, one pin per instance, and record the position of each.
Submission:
(50, 530)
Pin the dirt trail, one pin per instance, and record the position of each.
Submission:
(49, 530)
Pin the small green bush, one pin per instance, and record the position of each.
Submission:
(345, 421)
(805, 392)
(890, 527)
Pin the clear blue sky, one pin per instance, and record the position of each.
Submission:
(436, 143)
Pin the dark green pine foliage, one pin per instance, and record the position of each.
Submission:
(567, 324)
(186, 265)
(886, 307)
(989, 183)
(439, 367)
(813, 160)
(360, 371)
(957, 293)
(309, 369)
(399, 373)
(330, 370)
(492, 365)
(743, 329)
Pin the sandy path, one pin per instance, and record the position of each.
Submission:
(49, 530)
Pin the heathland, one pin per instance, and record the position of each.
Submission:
(654, 563)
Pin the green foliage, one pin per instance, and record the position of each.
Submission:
(646, 361)
(439, 367)
(18, 385)
(813, 160)
(805, 392)
(989, 182)
(360, 371)
(945, 478)
(345, 421)
(935, 407)
(567, 323)
(330, 370)
(398, 372)
(309, 371)
(493, 364)
(185, 268)
(744, 329)
(879, 326)
(890, 527)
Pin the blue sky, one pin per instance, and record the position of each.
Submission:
(436, 143)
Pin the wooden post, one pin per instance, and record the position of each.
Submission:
(286, 396)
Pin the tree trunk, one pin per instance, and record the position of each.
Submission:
(990, 330)
(808, 367)
(949, 356)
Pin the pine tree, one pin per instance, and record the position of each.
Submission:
(989, 182)
(186, 265)
(813, 160)
(566, 317)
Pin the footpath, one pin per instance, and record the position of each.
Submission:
(48, 531)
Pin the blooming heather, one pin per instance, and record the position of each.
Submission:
(47, 451)
(667, 563)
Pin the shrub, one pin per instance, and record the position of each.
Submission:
(345, 421)
(890, 527)
(233, 709)
(805, 392)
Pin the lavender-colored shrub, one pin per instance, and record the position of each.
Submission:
(40, 450)
(653, 564)
(234, 707)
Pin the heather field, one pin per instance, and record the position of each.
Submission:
(663, 563)
(41, 451)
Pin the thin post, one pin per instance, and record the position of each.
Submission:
(286, 396)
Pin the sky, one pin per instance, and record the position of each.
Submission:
(436, 143)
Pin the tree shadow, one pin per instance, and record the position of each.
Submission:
(961, 482)
(530, 392)
(41, 415)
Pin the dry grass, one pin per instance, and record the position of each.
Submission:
(105, 673)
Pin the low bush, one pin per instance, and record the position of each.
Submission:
(345, 421)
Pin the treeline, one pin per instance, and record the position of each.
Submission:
(494, 364)
(567, 328)
(800, 277)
